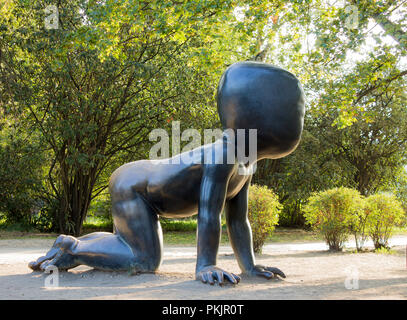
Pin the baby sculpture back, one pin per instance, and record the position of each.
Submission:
(250, 96)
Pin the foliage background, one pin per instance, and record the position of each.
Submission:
(78, 101)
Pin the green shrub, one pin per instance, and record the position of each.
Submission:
(384, 213)
(332, 212)
(384, 250)
(21, 168)
(101, 207)
(44, 220)
(358, 226)
(264, 209)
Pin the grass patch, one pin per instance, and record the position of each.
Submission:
(280, 235)
(179, 238)
(386, 251)
(176, 232)
(290, 235)
(188, 225)
(16, 227)
(95, 224)
(187, 238)
(20, 231)
(7, 235)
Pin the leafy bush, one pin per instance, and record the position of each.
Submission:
(99, 216)
(384, 213)
(101, 207)
(384, 250)
(360, 231)
(358, 226)
(21, 165)
(264, 210)
(44, 219)
(332, 212)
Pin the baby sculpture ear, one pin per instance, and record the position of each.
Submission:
(253, 95)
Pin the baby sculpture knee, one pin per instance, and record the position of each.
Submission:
(66, 243)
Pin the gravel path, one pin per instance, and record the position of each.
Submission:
(312, 273)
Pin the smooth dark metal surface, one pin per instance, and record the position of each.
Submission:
(250, 96)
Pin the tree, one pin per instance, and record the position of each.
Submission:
(351, 77)
(317, 41)
(111, 72)
(377, 149)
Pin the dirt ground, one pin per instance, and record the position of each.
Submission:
(311, 274)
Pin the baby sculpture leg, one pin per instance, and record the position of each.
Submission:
(135, 246)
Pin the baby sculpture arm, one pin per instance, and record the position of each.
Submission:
(240, 236)
(211, 203)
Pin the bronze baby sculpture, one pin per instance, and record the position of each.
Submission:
(250, 95)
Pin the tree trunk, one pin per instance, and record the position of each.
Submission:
(75, 200)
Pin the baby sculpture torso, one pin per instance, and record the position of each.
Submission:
(173, 190)
(250, 96)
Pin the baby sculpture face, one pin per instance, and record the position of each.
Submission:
(266, 98)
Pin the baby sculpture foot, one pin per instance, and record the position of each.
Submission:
(60, 255)
(266, 272)
(212, 274)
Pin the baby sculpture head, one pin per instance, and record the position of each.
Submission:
(253, 95)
